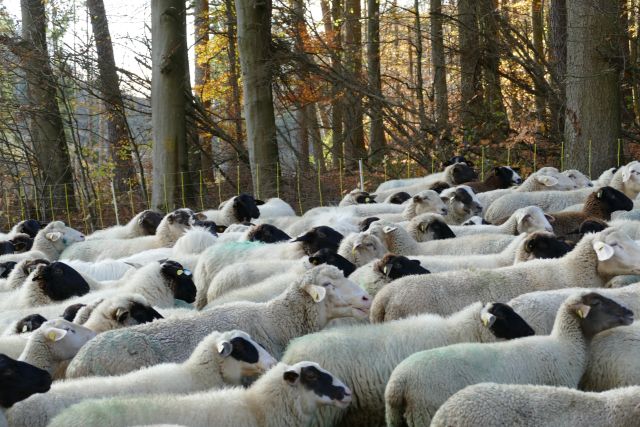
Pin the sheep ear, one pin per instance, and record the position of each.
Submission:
(317, 292)
(525, 217)
(423, 227)
(581, 310)
(291, 377)
(548, 181)
(550, 218)
(55, 334)
(599, 195)
(626, 174)
(314, 260)
(53, 236)
(121, 314)
(388, 229)
(200, 216)
(603, 251)
(224, 348)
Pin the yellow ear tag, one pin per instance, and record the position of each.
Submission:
(52, 336)
(367, 199)
(179, 272)
(314, 262)
(353, 251)
(485, 321)
(385, 270)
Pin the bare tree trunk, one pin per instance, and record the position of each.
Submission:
(635, 59)
(626, 84)
(470, 69)
(422, 115)
(232, 56)
(302, 116)
(45, 126)
(558, 62)
(254, 45)
(337, 100)
(497, 124)
(439, 71)
(537, 23)
(117, 133)
(593, 92)
(353, 112)
(168, 97)
(201, 76)
(376, 131)
(316, 139)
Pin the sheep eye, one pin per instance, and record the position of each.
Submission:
(326, 284)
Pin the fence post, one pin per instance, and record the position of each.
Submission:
(562, 156)
(361, 175)
(184, 200)
(99, 206)
(20, 193)
(340, 176)
(619, 146)
(298, 185)
(320, 186)
(278, 179)
(133, 211)
(535, 157)
(482, 164)
(66, 202)
(200, 191)
(115, 202)
(589, 159)
(53, 215)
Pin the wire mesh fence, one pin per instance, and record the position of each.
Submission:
(302, 187)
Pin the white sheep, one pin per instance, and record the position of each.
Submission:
(354, 352)
(627, 179)
(424, 381)
(102, 270)
(579, 179)
(523, 220)
(496, 405)
(172, 226)
(54, 343)
(284, 396)
(462, 203)
(274, 208)
(316, 298)
(355, 197)
(422, 202)
(361, 248)
(605, 178)
(221, 359)
(262, 291)
(20, 272)
(143, 224)
(592, 263)
(49, 243)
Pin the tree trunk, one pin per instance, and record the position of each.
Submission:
(200, 78)
(422, 115)
(376, 130)
(45, 124)
(236, 109)
(626, 84)
(537, 24)
(593, 92)
(439, 70)
(254, 45)
(168, 97)
(635, 61)
(353, 112)
(558, 65)
(302, 116)
(470, 82)
(337, 100)
(117, 132)
(316, 139)
(497, 124)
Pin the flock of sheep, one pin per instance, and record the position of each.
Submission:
(438, 300)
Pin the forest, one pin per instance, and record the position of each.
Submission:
(304, 100)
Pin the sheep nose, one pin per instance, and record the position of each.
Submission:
(365, 298)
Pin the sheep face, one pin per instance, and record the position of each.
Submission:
(317, 386)
(181, 218)
(531, 219)
(6, 268)
(503, 322)
(267, 233)
(343, 298)
(432, 227)
(245, 208)
(71, 311)
(428, 201)
(614, 200)
(210, 226)
(129, 311)
(456, 159)
(149, 221)
(20, 380)
(551, 179)
(461, 172)
(365, 248)
(364, 198)
(617, 253)
(597, 313)
(505, 177)
(399, 197)
(180, 281)
(29, 323)
(578, 178)
(61, 236)
(631, 176)
(462, 202)
(59, 281)
(476, 220)
(22, 243)
(516, 179)
(395, 266)
(29, 227)
(318, 238)
(65, 338)
(242, 357)
(365, 223)
(327, 256)
(542, 245)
